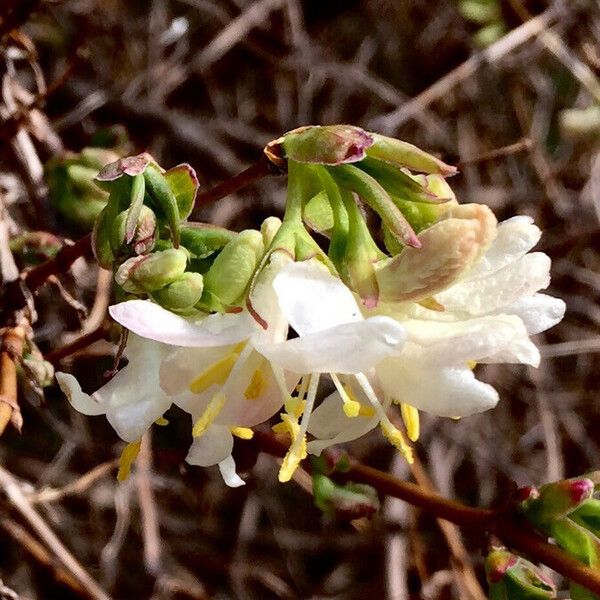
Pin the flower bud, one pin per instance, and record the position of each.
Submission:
(203, 240)
(144, 233)
(325, 145)
(153, 271)
(230, 274)
(164, 198)
(184, 184)
(269, 228)
(407, 155)
(557, 500)
(182, 294)
(513, 578)
(350, 501)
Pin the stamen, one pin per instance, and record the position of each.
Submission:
(410, 416)
(161, 421)
(471, 364)
(392, 433)
(210, 414)
(244, 433)
(297, 450)
(351, 406)
(395, 437)
(127, 459)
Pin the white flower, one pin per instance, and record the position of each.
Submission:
(244, 383)
(486, 314)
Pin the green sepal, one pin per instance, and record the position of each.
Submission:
(138, 191)
(318, 214)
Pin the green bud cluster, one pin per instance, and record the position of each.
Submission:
(511, 577)
(329, 167)
(568, 512)
(486, 15)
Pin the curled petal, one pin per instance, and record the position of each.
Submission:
(79, 400)
(230, 477)
(151, 321)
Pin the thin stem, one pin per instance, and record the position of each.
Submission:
(505, 525)
(12, 349)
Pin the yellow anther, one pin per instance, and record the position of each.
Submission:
(215, 374)
(294, 406)
(410, 416)
(256, 386)
(471, 364)
(244, 433)
(209, 415)
(127, 459)
(395, 437)
(161, 421)
(351, 404)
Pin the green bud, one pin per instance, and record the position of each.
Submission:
(407, 155)
(182, 294)
(203, 240)
(556, 500)
(318, 214)
(231, 273)
(164, 198)
(144, 233)
(349, 501)
(511, 577)
(325, 145)
(355, 180)
(101, 240)
(153, 271)
(480, 12)
(269, 228)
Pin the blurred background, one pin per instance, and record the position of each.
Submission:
(508, 90)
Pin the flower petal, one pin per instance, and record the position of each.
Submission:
(539, 312)
(151, 321)
(329, 423)
(312, 299)
(490, 294)
(515, 237)
(79, 400)
(446, 392)
(346, 348)
(455, 342)
(230, 477)
(212, 447)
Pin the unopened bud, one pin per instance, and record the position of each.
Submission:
(164, 198)
(184, 184)
(407, 155)
(557, 500)
(144, 233)
(511, 577)
(231, 273)
(269, 228)
(350, 501)
(182, 294)
(325, 145)
(202, 240)
(153, 271)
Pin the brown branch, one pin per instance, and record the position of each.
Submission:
(12, 348)
(100, 333)
(505, 525)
